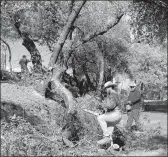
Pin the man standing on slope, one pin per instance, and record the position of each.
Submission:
(23, 64)
(133, 107)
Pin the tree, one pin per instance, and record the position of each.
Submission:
(10, 55)
(28, 43)
(148, 65)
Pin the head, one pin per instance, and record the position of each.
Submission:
(132, 86)
(24, 56)
(109, 87)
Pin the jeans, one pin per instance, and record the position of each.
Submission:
(108, 120)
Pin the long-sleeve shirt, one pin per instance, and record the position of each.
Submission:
(111, 101)
(135, 98)
(23, 63)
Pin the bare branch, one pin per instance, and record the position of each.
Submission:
(101, 32)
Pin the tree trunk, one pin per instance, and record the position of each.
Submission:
(87, 76)
(10, 54)
(64, 34)
(57, 69)
(61, 90)
(29, 45)
(100, 58)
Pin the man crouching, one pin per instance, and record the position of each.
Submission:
(112, 113)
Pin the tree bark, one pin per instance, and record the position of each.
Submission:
(64, 34)
(10, 54)
(57, 69)
(100, 58)
(29, 45)
(60, 89)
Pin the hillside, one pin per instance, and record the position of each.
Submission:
(35, 127)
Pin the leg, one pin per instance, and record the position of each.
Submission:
(103, 124)
(136, 116)
(130, 119)
(110, 130)
(112, 118)
(107, 122)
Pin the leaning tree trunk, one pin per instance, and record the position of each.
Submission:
(10, 54)
(29, 45)
(61, 90)
(64, 34)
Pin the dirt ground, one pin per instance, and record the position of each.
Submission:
(151, 120)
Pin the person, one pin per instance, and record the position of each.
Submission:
(23, 64)
(112, 114)
(133, 107)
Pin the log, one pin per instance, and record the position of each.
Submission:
(148, 101)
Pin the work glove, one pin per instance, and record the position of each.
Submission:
(128, 107)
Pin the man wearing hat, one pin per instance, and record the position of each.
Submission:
(133, 107)
(112, 114)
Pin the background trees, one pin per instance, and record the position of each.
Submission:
(119, 32)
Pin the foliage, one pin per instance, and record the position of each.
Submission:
(149, 21)
(148, 65)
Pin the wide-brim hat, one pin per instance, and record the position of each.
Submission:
(133, 84)
(109, 84)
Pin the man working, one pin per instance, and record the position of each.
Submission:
(112, 114)
(133, 107)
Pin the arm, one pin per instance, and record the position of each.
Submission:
(28, 60)
(109, 103)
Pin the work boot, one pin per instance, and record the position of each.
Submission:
(105, 140)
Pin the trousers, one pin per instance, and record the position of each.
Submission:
(108, 120)
(133, 115)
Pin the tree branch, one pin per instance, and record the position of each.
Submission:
(101, 32)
